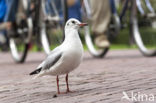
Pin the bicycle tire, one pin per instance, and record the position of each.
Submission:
(45, 38)
(19, 45)
(147, 47)
(19, 58)
(99, 53)
(93, 49)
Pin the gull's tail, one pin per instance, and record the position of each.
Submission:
(36, 71)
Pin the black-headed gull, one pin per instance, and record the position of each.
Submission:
(66, 57)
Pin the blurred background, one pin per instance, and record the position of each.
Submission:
(37, 25)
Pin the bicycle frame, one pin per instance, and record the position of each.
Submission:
(125, 7)
(114, 9)
(148, 5)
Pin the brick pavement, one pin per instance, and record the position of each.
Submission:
(95, 81)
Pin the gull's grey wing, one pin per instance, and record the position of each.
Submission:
(51, 60)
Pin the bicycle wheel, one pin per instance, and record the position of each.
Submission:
(18, 49)
(144, 30)
(19, 43)
(52, 22)
(93, 49)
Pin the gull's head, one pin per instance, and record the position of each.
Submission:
(74, 24)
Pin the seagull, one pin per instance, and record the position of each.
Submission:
(64, 58)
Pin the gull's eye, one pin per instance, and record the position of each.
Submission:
(73, 22)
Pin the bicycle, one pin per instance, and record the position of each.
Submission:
(33, 20)
(116, 25)
(143, 24)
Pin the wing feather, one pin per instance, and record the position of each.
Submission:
(50, 61)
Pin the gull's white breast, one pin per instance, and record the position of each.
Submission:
(71, 58)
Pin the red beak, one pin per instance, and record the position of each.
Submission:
(83, 24)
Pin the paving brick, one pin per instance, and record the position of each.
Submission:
(95, 81)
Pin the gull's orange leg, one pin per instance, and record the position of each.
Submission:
(67, 84)
(58, 89)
